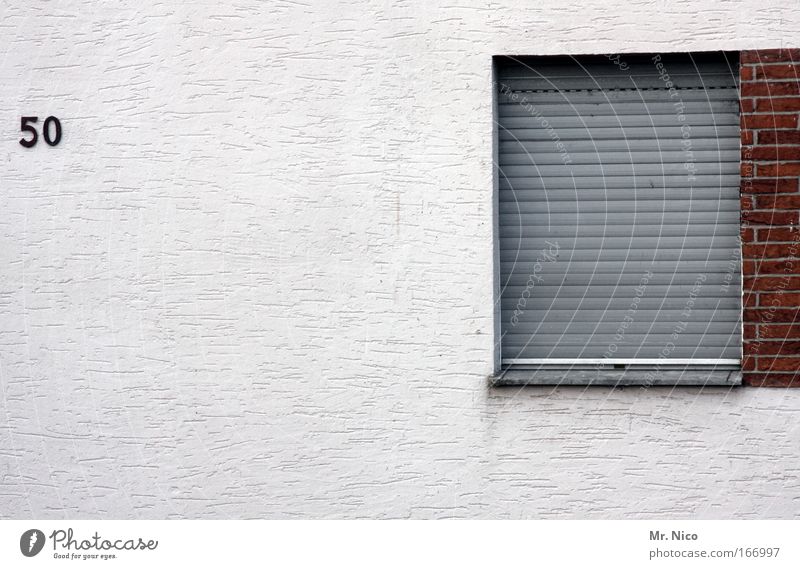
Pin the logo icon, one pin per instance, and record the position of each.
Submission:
(31, 542)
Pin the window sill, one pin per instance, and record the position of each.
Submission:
(631, 375)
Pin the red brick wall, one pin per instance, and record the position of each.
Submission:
(770, 105)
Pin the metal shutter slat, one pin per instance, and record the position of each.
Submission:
(658, 108)
(711, 155)
(577, 147)
(536, 132)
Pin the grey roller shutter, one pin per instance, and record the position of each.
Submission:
(619, 209)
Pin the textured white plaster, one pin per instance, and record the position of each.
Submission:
(255, 277)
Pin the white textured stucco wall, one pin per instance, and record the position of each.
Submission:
(255, 277)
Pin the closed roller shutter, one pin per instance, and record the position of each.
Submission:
(619, 210)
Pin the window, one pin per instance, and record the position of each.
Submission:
(618, 219)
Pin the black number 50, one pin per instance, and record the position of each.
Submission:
(48, 122)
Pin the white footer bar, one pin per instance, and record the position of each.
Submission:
(408, 544)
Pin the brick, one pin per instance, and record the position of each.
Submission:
(770, 89)
(779, 331)
(769, 55)
(766, 120)
(779, 234)
(750, 300)
(788, 299)
(779, 137)
(746, 203)
(748, 363)
(780, 363)
(771, 379)
(746, 169)
(770, 217)
(768, 284)
(770, 186)
(770, 250)
(771, 267)
(749, 331)
(753, 251)
(779, 169)
(780, 201)
(747, 136)
(773, 153)
(770, 315)
(748, 234)
(777, 104)
(784, 71)
(746, 72)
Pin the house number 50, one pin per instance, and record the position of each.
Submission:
(50, 124)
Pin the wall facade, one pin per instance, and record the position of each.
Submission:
(255, 277)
